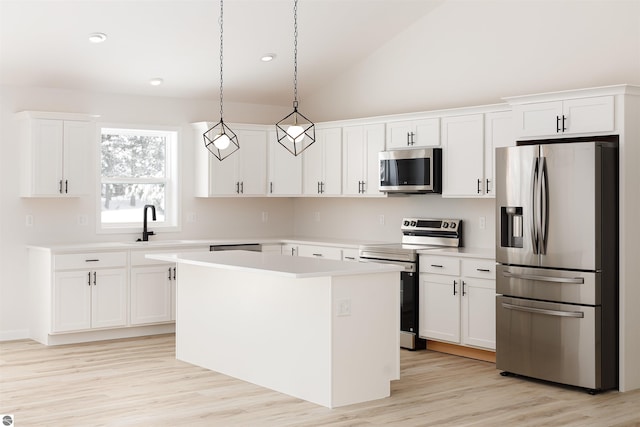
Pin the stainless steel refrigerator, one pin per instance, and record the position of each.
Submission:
(557, 250)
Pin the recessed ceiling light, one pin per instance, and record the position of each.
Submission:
(267, 57)
(97, 37)
(156, 81)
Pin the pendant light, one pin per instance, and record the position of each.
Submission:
(220, 140)
(295, 132)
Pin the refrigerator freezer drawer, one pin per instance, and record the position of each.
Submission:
(550, 341)
(575, 287)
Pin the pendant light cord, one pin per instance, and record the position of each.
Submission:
(295, 54)
(221, 9)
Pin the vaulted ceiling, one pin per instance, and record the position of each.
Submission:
(44, 43)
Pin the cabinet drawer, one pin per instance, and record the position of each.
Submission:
(481, 268)
(139, 257)
(326, 252)
(90, 260)
(440, 265)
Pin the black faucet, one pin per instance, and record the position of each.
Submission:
(145, 232)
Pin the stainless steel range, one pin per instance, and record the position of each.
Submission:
(417, 234)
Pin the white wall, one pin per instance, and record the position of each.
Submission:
(359, 219)
(475, 52)
(55, 220)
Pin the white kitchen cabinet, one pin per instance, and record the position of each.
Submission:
(564, 117)
(151, 293)
(498, 132)
(457, 300)
(289, 249)
(361, 170)
(315, 251)
(89, 297)
(413, 133)
(322, 164)
(349, 254)
(56, 155)
(285, 170)
(463, 154)
(243, 173)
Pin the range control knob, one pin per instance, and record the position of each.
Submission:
(414, 223)
(405, 223)
(445, 225)
(453, 225)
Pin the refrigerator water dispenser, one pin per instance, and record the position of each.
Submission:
(511, 226)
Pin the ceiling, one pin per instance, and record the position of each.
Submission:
(44, 43)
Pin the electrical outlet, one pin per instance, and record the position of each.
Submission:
(192, 217)
(28, 220)
(316, 215)
(265, 216)
(83, 220)
(381, 219)
(482, 222)
(344, 307)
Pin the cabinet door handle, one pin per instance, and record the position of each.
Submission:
(564, 128)
(60, 189)
(479, 182)
(484, 270)
(66, 185)
(89, 278)
(237, 187)
(271, 187)
(94, 278)
(241, 187)
(169, 277)
(488, 190)
(463, 291)
(454, 287)
(408, 138)
(363, 189)
(321, 187)
(436, 265)
(318, 187)
(174, 273)
(557, 124)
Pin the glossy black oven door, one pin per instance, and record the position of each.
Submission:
(409, 312)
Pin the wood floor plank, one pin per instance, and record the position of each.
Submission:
(138, 382)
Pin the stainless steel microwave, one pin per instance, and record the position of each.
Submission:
(415, 170)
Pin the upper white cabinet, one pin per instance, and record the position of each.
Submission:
(322, 164)
(463, 154)
(285, 170)
(243, 173)
(413, 133)
(564, 117)
(55, 154)
(361, 172)
(498, 132)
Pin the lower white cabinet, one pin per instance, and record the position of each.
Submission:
(87, 298)
(151, 293)
(326, 252)
(457, 300)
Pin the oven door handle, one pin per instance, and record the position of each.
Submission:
(573, 280)
(557, 313)
(409, 267)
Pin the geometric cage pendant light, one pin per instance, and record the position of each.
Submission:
(220, 140)
(295, 132)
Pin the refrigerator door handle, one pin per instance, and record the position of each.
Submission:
(534, 208)
(544, 205)
(572, 280)
(557, 313)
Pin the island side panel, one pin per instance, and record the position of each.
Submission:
(269, 330)
(366, 341)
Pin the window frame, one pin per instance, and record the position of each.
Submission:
(172, 180)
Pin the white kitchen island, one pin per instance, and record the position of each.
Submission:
(320, 330)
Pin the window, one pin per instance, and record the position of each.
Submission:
(138, 168)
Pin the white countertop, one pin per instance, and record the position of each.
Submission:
(274, 263)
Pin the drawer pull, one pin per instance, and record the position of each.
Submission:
(436, 265)
(484, 270)
(91, 260)
(317, 254)
(350, 257)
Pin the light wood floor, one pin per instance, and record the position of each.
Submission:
(138, 382)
